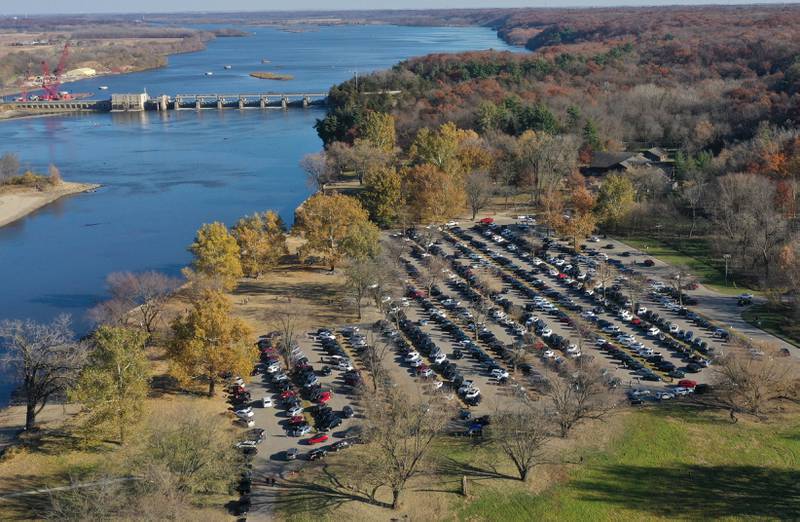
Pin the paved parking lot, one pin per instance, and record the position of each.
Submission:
(551, 282)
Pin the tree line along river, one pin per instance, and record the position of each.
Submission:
(165, 174)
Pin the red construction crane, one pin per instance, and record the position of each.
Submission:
(50, 84)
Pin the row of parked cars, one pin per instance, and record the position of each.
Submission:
(543, 303)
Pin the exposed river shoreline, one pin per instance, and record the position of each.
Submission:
(165, 174)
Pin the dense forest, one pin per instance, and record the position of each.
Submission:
(716, 87)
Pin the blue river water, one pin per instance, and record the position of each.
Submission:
(163, 175)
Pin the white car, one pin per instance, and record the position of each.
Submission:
(499, 374)
(641, 310)
(673, 328)
(547, 332)
(274, 367)
(465, 387)
(472, 393)
(439, 358)
(245, 444)
(294, 411)
(413, 356)
(664, 396)
(416, 363)
(245, 413)
(266, 402)
(437, 385)
(549, 354)
(451, 224)
(653, 332)
(625, 315)
(594, 239)
(681, 391)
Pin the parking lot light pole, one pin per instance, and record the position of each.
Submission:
(726, 257)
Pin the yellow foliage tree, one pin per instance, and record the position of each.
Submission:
(208, 341)
(382, 195)
(262, 242)
(113, 386)
(378, 129)
(432, 194)
(216, 255)
(335, 226)
(449, 148)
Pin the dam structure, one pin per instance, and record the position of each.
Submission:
(143, 102)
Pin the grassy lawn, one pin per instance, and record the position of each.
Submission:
(693, 254)
(669, 464)
(653, 464)
(777, 320)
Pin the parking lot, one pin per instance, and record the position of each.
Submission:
(433, 344)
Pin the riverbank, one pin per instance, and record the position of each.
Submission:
(18, 202)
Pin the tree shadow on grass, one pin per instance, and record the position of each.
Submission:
(692, 412)
(453, 467)
(697, 492)
(302, 496)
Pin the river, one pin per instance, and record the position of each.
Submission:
(164, 175)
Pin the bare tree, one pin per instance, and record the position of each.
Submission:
(518, 356)
(484, 287)
(45, 358)
(143, 296)
(433, 271)
(401, 431)
(520, 436)
(9, 166)
(604, 275)
(694, 192)
(752, 380)
(681, 279)
(361, 276)
(374, 355)
(583, 395)
(634, 287)
(287, 324)
(478, 187)
(317, 170)
(752, 227)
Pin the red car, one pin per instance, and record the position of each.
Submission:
(636, 321)
(486, 221)
(324, 397)
(317, 439)
(687, 383)
(297, 419)
(288, 394)
(562, 276)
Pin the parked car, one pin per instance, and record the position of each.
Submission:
(317, 439)
(319, 453)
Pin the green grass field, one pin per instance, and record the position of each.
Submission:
(777, 320)
(669, 464)
(665, 463)
(693, 254)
